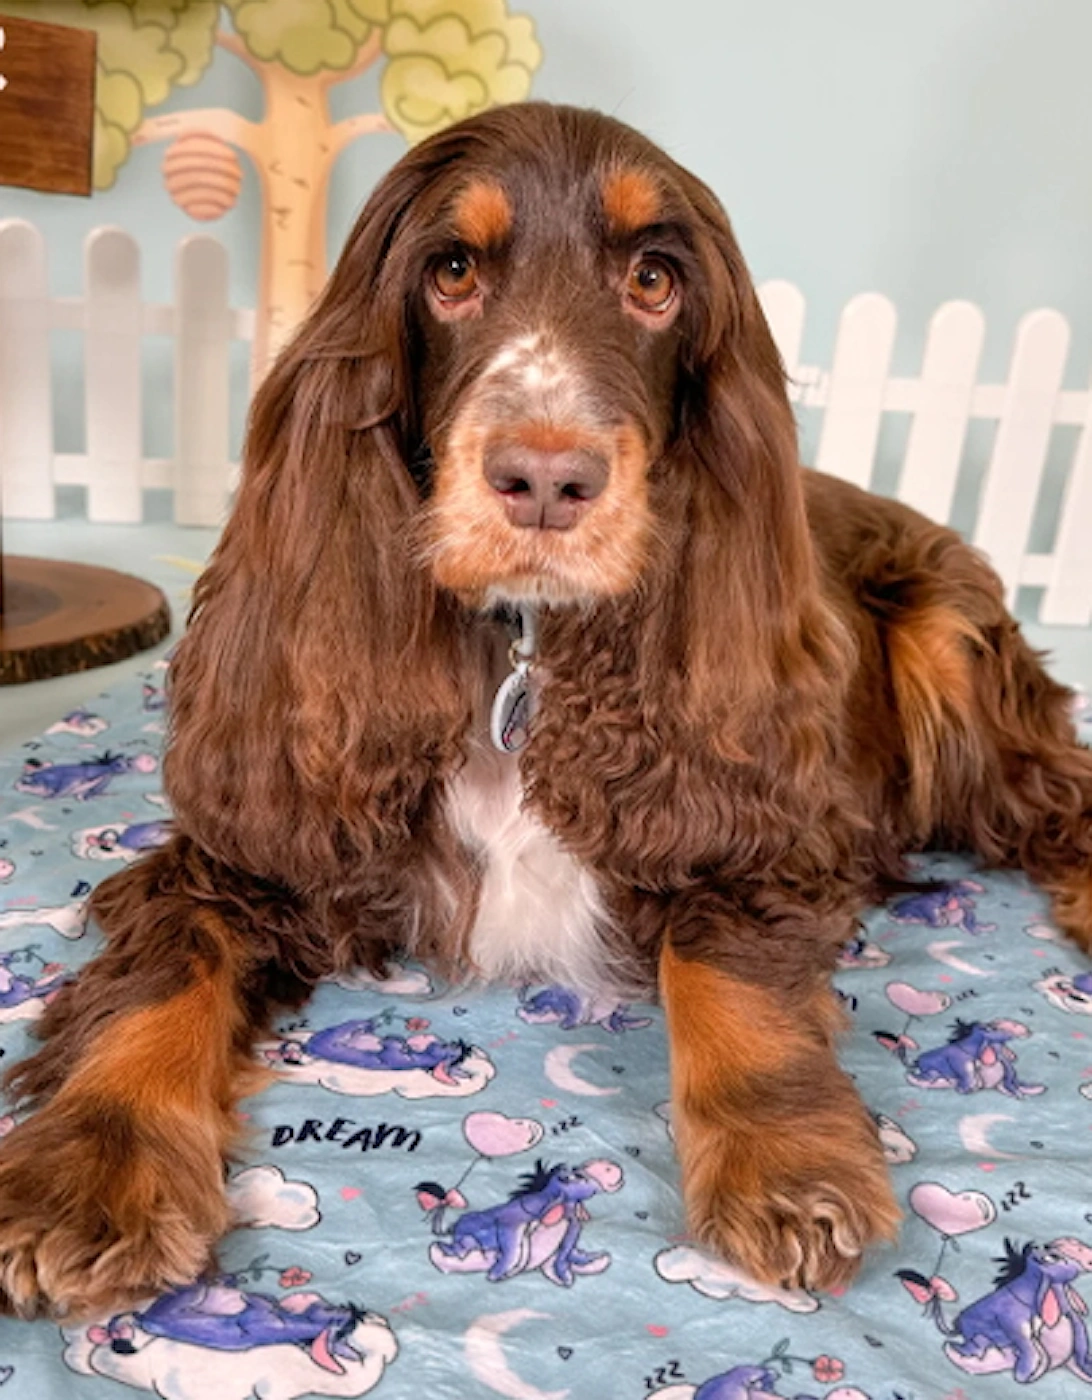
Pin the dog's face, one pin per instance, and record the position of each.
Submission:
(551, 300)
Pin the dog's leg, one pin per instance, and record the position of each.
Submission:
(1022, 788)
(1057, 847)
(114, 1188)
(1040, 803)
(993, 760)
(783, 1173)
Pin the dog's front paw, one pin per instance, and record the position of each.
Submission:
(794, 1209)
(99, 1210)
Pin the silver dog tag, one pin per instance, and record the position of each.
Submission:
(513, 708)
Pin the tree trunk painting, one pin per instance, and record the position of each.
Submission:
(293, 150)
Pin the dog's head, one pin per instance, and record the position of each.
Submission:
(561, 279)
(540, 304)
(538, 371)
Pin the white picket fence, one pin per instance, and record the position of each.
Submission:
(858, 390)
(114, 320)
(854, 395)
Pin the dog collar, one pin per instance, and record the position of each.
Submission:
(514, 702)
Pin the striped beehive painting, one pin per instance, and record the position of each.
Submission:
(202, 175)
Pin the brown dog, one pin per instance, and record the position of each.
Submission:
(539, 378)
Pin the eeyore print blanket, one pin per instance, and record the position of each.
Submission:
(474, 1193)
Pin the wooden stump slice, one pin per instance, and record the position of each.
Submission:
(59, 617)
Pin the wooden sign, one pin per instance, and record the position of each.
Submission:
(47, 105)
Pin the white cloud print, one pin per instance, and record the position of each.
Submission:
(69, 920)
(262, 1196)
(716, 1279)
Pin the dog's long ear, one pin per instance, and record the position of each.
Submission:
(318, 688)
(757, 628)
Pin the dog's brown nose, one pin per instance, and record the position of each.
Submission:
(542, 489)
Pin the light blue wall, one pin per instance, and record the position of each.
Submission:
(927, 150)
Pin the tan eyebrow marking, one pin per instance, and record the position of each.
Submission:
(631, 199)
(483, 215)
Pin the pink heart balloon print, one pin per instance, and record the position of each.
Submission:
(497, 1135)
(951, 1212)
(915, 1003)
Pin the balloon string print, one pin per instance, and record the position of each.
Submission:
(915, 1003)
(951, 1214)
(490, 1135)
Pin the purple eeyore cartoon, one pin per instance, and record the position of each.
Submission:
(538, 1227)
(564, 1007)
(947, 906)
(977, 1056)
(221, 1338)
(18, 991)
(79, 781)
(364, 1045)
(227, 1318)
(1030, 1323)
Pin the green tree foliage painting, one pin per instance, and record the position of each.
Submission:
(442, 60)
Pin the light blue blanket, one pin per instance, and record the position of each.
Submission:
(474, 1194)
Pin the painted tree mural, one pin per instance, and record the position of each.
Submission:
(443, 60)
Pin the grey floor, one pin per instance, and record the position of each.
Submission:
(172, 555)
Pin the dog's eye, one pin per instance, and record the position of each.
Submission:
(455, 276)
(651, 285)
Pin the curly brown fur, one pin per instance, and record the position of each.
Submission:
(980, 749)
(115, 1186)
(540, 374)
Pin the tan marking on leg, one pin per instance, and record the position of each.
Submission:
(132, 1200)
(931, 671)
(176, 1055)
(724, 1033)
(783, 1172)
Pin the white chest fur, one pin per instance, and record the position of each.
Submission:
(541, 916)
